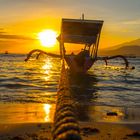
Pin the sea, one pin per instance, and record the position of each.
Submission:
(28, 90)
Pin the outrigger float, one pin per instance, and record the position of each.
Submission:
(80, 31)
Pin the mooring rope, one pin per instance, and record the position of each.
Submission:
(65, 123)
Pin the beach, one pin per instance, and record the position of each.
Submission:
(106, 99)
(70, 70)
(34, 121)
(42, 131)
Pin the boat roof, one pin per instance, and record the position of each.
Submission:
(80, 31)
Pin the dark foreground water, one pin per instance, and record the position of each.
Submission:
(103, 89)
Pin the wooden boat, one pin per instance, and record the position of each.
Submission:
(83, 32)
(80, 31)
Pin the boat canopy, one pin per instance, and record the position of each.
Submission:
(80, 31)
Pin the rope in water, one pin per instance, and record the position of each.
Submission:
(65, 123)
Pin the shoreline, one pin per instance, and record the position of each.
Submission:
(44, 113)
(35, 121)
(26, 113)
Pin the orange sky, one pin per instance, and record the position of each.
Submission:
(21, 21)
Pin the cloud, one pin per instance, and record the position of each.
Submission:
(1, 32)
(6, 36)
(132, 22)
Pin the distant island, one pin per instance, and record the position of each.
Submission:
(128, 49)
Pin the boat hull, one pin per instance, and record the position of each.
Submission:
(78, 66)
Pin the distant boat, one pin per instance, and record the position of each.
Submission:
(131, 56)
(6, 52)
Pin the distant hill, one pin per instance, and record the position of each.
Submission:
(128, 49)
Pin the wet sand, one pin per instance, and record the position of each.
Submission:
(26, 113)
(25, 131)
(89, 131)
(35, 122)
(110, 131)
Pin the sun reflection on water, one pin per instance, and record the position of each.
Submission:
(47, 66)
(47, 69)
(26, 113)
(47, 109)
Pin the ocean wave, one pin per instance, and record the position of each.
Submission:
(37, 82)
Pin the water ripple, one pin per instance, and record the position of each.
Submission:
(37, 81)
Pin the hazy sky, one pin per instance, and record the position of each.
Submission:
(24, 17)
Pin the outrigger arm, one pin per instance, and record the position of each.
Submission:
(113, 57)
(40, 52)
(84, 32)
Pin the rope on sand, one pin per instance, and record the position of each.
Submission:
(65, 123)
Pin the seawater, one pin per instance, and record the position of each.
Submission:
(103, 89)
(28, 82)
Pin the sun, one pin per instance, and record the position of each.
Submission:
(47, 37)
